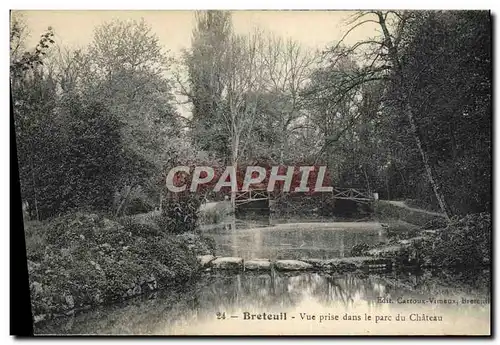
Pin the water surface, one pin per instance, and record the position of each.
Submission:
(218, 305)
(304, 302)
(277, 239)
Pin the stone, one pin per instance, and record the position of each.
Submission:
(137, 290)
(205, 259)
(292, 265)
(152, 285)
(316, 263)
(258, 265)
(388, 250)
(359, 262)
(228, 263)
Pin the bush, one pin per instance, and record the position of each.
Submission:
(141, 229)
(138, 206)
(180, 215)
(465, 242)
(89, 260)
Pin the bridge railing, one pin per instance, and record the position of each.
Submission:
(251, 195)
(352, 194)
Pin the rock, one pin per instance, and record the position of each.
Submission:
(98, 298)
(96, 265)
(292, 265)
(343, 264)
(228, 263)
(389, 250)
(205, 259)
(258, 265)
(316, 263)
(152, 285)
(358, 262)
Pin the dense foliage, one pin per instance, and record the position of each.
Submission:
(406, 114)
(81, 260)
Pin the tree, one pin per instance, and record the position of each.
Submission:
(384, 62)
(127, 68)
(417, 56)
(34, 96)
(204, 64)
(286, 71)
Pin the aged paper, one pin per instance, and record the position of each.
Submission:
(255, 172)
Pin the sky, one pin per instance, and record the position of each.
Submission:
(312, 29)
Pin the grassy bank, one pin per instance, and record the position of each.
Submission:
(82, 260)
(425, 239)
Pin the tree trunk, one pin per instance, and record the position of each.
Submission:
(34, 190)
(425, 159)
(393, 54)
(234, 160)
(367, 180)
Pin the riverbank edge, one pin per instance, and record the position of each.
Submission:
(81, 261)
(426, 239)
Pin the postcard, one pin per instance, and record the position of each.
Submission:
(230, 172)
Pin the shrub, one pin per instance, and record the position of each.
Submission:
(138, 206)
(465, 242)
(180, 215)
(89, 260)
(141, 229)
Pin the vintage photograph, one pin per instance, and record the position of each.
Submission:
(244, 172)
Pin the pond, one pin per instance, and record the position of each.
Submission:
(293, 239)
(246, 303)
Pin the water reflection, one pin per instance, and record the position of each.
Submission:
(195, 311)
(275, 239)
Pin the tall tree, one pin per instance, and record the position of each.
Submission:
(204, 62)
(384, 62)
(128, 70)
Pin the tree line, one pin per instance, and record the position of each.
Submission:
(406, 113)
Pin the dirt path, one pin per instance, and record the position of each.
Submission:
(403, 205)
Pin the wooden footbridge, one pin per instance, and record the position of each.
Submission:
(354, 194)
